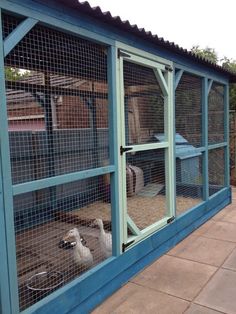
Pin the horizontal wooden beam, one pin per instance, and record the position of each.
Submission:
(53, 90)
(217, 145)
(62, 179)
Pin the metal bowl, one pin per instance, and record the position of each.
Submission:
(45, 281)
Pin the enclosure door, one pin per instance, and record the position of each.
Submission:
(146, 150)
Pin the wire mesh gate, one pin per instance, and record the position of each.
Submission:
(147, 128)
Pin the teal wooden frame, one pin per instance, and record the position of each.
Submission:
(17, 34)
(207, 82)
(205, 92)
(165, 81)
(8, 273)
(8, 270)
(120, 267)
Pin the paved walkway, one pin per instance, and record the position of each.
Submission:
(198, 276)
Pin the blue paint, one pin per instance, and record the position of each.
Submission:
(90, 303)
(18, 34)
(226, 136)
(178, 75)
(61, 179)
(85, 292)
(5, 303)
(205, 87)
(110, 275)
(55, 10)
(8, 233)
(218, 145)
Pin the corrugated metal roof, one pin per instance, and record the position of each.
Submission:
(116, 21)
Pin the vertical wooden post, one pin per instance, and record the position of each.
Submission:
(205, 91)
(8, 270)
(226, 135)
(114, 148)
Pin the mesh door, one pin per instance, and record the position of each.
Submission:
(144, 105)
(57, 102)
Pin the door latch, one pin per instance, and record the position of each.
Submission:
(124, 149)
(171, 219)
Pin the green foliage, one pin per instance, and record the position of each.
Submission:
(207, 53)
(14, 74)
(228, 64)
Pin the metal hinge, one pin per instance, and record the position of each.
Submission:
(124, 149)
(169, 68)
(170, 219)
(125, 245)
(123, 54)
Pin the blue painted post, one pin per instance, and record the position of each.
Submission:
(10, 286)
(5, 304)
(205, 87)
(226, 135)
(114, 148)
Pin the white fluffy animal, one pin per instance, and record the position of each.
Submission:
(105, 239)
(82, 254)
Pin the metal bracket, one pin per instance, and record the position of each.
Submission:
(125, 245)
(169, 68)
(124, 149)
(171, 219)
(123, 54)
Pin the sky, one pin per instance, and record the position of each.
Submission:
(206, 23)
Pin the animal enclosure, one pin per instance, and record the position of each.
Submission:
(114, 147)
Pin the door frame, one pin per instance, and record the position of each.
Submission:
(163, 68)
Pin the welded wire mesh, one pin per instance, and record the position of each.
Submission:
(57, 102)
(144, 123)
(216, 170)
(189, 182)
(144, 105)
(188, 117)
(42, 220)
(216, 114)
(146, 187)
(188, 109)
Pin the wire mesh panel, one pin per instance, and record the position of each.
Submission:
(189, 182)
(216, 114)
(188, 109)
(144, 104)
(57, 102)
(216, 168)
(188, 117)
(146, 187)
(48, 256)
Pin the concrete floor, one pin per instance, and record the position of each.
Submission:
(198, 276)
